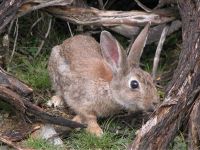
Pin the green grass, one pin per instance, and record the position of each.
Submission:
(86, 141)
(179, 143)
(41, 144)
(117, 136)
(34, 72)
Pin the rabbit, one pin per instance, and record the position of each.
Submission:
(98, 80)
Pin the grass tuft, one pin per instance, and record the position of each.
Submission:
(179, 143)
(86, 141)
(116, 137)
(41, 144)
(33, 73)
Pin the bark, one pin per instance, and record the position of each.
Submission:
(194, 127)
(8, 10)
(183, 90)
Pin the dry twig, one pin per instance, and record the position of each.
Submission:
(70, 30)
(15, 42)
(35, 23)
(143, 6)
(158, 50)
(46, 35)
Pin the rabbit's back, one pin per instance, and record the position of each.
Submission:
(84, 58)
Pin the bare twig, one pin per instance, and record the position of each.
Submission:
(101, 6)
(109, 3)
(46, 35)
(36, 22)
(10, 27)
(143, 6)
(158, 50)
(70, 30)
(15, 42)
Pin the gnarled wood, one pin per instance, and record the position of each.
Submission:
(8, 10)
(92, 16)
(194, 127)
(184, 89)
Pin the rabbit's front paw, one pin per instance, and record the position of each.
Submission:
(77, 118)
(55, 101)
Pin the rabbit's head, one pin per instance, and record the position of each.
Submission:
(131, 87)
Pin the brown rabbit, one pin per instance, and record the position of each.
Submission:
(99, 79)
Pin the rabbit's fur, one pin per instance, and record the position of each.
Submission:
(95, 79)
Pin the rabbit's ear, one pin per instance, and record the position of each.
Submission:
(137, 47)
(112, 52)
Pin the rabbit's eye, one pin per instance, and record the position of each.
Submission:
(134, 84)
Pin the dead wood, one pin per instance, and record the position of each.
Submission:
(194, 127)
(16, 93)
(122, 22)
(32, 111)
(39, 115)
(183, 91)
(8, 10)
(20, 132)
(92, 16)
(14, 84)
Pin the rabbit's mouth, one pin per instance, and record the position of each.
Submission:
(133, 106)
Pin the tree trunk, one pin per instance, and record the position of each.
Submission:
(194, 126)
(182, 96)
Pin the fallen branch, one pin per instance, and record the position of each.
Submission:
(92, 16)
